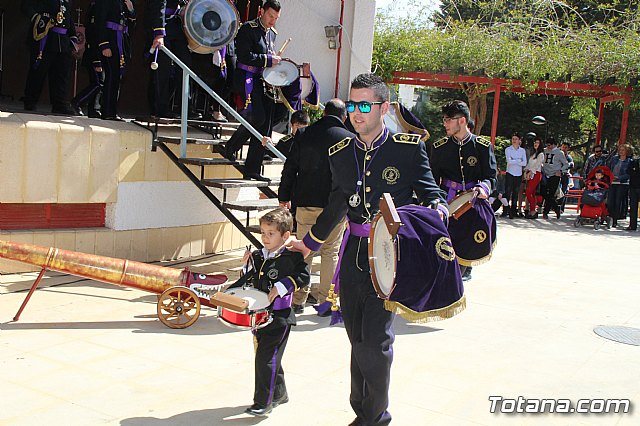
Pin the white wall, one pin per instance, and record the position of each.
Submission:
(304, 22)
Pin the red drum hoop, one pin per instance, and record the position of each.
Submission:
(256, 316)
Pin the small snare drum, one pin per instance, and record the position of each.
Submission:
(257, 314)
(461, 204)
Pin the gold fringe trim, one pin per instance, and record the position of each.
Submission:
(476, 262)
(428, 316)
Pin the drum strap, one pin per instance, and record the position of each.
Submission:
(455, 187)
(248, 82)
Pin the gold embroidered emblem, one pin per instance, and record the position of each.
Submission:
(444, 249)
(272, 274)
(391, 175)
(472, 161)
(339, 146)
(406, 138)
(479, 236)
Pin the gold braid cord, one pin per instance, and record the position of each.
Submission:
(428, 316)
(333, 298)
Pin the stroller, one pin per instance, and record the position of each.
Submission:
(593, 204)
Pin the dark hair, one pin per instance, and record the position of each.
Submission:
(373, 82)
(551, 141)
(539, 149)
(566, 143)
(280, 217)
(300, 117)
(597, 146)
(336, 108)
(471, 125)
(456, 108)
(271, 4)
(516, 134)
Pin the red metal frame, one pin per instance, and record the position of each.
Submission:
(606, 93)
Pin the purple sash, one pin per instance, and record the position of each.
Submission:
(454, 187)
(120, 30)
(357, 230)
(43, 42)
(248, 82)
(283, 302)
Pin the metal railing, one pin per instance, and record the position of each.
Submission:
(189, 74)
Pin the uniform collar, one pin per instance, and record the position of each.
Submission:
(464, 140)
(263, 28)
(266, 255)
(377, 142)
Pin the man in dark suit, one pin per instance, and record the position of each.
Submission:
(306, 183)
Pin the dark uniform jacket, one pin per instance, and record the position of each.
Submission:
(154, 16)
(254, 45)
(43, 12)
(114, 11)
(634, 173)
(398, 165)
(287, 267)
(306, 174)
(465, 162)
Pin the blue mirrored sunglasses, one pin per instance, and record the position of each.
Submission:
(363, 106)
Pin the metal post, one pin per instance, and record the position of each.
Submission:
(184, 114)
(26, 300)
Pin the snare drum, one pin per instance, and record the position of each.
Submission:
(257, 315)
(416, 271)
(283, 74)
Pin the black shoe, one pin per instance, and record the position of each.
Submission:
(282, 400)
(325, 314)
(64, 110)
(615, 223)
(169, 114)
(113, 118)
(545, 216)
(312, 300)
(29, 107)
(76, 108)
(256, 176)
(94, 113)
(195, 115)
(259, 410)
(357, 422)
(297, 309)
(504, 213)
(532, 216)
(628, 228)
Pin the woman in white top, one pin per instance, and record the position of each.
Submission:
(533, 175)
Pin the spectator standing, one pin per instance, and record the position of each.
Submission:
(533, 176)
(619, 165)
(555, 164)
(516, 160)
(634, 193)
(596, 159)
(566, 176)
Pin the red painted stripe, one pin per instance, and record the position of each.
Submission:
(15, 216)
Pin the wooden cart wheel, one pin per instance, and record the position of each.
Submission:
(178, 307)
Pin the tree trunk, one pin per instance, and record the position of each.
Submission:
(477, 105)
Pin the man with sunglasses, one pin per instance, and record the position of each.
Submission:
(596, 159)
(461, 162)
(363, 168)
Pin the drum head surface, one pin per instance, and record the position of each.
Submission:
(383, 258)
(307, 87)
(211, 23)
(257, 299)
(281, 75)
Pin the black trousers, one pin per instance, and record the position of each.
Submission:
(617, 201)
(111, 88)
(260, 117)
(512, 188)
(57, 67)
(550, 194)
(89, 94)
(634, 197)
(269, 375)
(370, 330)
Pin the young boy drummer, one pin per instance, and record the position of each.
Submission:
(279, 272)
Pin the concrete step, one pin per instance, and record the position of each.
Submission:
(252, 205)
(224, 162)
(238, 183)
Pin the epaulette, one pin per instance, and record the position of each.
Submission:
(285, 138)
(339, 146)
(439, 143)
(482, 141)
(252, 24)
(406, 138)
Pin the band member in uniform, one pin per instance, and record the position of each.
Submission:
(463, 161)
(154, 21)
(91, 61)
(363, 168)
(279, 272)
(114, 18)
(51, 38)
(255, 50)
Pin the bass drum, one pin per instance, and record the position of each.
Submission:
(209, 25)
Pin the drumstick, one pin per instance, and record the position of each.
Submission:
(284, 46)
(154, 64)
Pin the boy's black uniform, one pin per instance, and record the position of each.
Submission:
(290, 269)
(91, 62)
